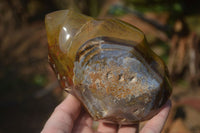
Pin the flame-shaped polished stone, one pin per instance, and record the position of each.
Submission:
(108, 65)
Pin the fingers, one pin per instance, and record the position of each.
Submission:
(128, 128)
(63, 116)
(156, 124)
(113, 128)
(107, 128)
(83, 124)
(62, 120)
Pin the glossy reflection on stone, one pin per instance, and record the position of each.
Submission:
(108, 66)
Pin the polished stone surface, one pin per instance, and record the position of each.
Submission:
(108, 65)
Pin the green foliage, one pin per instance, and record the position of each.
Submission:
(183, 83)
(94, 9)
(156, 5)
(193, 22)
(177, 7)
(163, 49)
(39, 80)
(117, 11)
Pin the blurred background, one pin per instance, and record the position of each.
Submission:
(29, 91)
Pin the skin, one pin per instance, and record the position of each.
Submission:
(69, 117)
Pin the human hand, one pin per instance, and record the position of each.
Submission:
(68, 117)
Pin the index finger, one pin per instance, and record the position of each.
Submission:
(156, 124)
(63, 117)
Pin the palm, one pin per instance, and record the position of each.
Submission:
(69, 117)
(84, 125)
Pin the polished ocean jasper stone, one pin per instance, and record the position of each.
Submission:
(108, 65)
